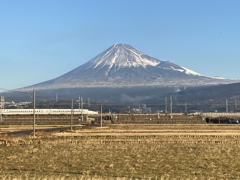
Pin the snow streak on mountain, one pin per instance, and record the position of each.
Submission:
(123, 66)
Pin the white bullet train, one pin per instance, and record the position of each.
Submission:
(46, 111)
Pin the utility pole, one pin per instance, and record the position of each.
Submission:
(89, 102)
(185, 108)
(56, 98)
(171, 106)
(79, 103)
(34, 108)
(81, 108)
(2, 107)
(166, 104)
(235, 102)
(227, 105)
(101, 117)
(71, 123)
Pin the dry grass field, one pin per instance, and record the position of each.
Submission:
(187, 151)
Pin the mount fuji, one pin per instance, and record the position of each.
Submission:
(121, 65)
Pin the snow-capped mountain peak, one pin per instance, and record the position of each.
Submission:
(123, 55)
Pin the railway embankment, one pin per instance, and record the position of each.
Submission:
(66, 119)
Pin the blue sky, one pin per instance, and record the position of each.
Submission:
(41, 40)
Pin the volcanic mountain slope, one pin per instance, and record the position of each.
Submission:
(123, 66)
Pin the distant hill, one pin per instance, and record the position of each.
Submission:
(207, 98)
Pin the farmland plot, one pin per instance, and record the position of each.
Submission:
(124, 152)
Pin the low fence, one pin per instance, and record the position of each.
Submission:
(218, 114)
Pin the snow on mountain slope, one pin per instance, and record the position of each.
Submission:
(188, 71)
(122, 55)
(121, 65)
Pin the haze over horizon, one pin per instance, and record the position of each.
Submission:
(45, 39)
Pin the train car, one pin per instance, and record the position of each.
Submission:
(222, 120)
(45, 111)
